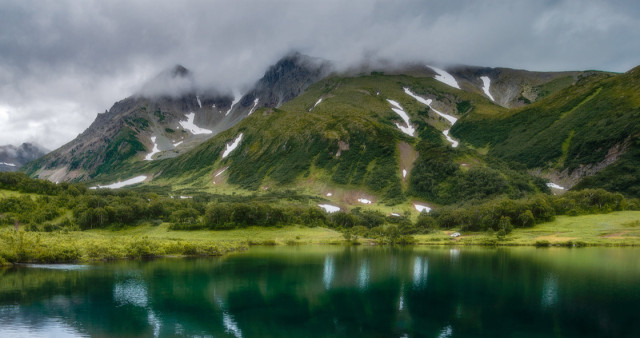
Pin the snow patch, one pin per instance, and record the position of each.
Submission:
(199, 103)
(421, 207)
(221, 171)
(447, 117)
(395, 214)
(175, 145)
(185, 197)
(445, 77)
(364, 201)
(554, 186)
(317, 103)
(451, 119)
(255, 104)
(8, 164)
(191, 127)
(409, 129)
(131, 181)
(486, 85)
(236, 99)
(231, 147)
(154, 151)
(404, 173)
(329, 194)
(454, 143)
(329, 208)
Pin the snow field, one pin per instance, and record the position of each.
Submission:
(131, 181)
(486, 85)
(154, 151)
(445, 77)
(329, 208)
(191, 127)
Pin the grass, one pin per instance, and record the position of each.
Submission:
(147, 241)
(620, 228)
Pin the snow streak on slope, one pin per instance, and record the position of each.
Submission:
(449, 118)
(486, 85)
(317, 103)
(191, 127)
(409, 129)
(236, 99)
(9, 164)
(454, 143)
(199, 103)
(255, 104)
(131, 181)
(554, 186)
(154, 151)
(231, 147)
(445, 77)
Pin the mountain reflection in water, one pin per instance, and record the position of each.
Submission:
(333, 291)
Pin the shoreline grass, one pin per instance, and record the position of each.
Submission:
(145, 241)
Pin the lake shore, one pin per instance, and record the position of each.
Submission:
(144, 241)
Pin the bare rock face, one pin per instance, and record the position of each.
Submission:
(13, 158)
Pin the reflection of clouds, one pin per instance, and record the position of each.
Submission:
(401, 305)
(363, 275)
(230, 325)
(50, 328)
(132, 292)
(446, 332)
(329, 268)
(550, 291)
(420, 272)
(455, 255)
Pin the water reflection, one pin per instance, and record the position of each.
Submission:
(327, 276)
(420, 272)
(550, 291)
(334, 292)
(363, 275)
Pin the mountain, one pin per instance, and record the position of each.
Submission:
(413, 134)
(169, 116)
(12, 157)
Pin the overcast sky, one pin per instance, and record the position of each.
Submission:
(64, 61)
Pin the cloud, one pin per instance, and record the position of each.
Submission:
(64, 61)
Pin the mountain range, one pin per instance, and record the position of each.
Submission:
(412, 134)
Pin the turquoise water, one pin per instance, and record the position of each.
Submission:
(333, 291)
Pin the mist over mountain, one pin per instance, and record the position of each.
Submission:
(12, 158)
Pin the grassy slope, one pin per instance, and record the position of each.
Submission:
(294, 148)
(576, 126)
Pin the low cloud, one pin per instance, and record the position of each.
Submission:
(64, 61)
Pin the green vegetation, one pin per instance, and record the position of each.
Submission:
(45, 222)
(590, 124)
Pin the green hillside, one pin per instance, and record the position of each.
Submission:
(350, 141)
(587, 129)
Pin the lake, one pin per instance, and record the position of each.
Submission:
(329, 291)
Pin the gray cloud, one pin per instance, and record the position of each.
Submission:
(63, 61)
